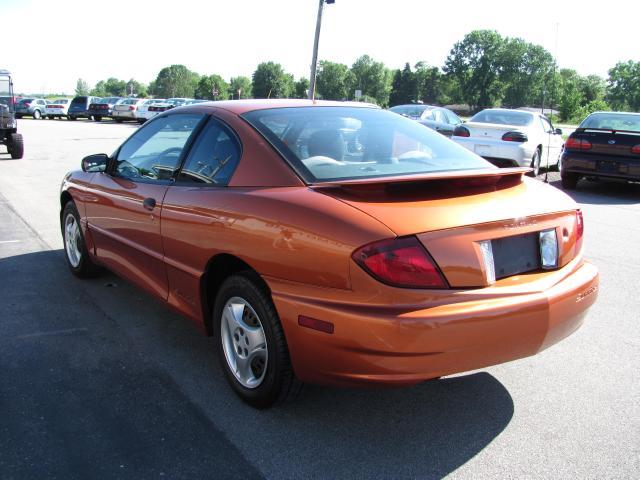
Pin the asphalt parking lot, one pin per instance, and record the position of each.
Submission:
(98, 380)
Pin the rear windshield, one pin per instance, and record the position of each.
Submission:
(131, 101)
(81, 100)
(503, 117)
(61, 101)
(26, 100)
(414, 111)
(612, 121)
(344, 143)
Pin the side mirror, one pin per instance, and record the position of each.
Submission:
(95, 163)
(558, 131)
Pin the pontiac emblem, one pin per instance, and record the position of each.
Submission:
(611, 142)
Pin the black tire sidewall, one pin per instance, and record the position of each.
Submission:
(246, 287)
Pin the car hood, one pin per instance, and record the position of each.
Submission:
(438, 203)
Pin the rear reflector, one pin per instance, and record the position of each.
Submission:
(461, 131)
(577, 144)
(400, 262)
(548, 249)
(636, 149)
(315, 324)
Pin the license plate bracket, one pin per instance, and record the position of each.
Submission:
(516, 254)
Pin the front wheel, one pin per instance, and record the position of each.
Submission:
(37, 115)
(15, 145)
(75, 248)
(252, 348)
(97, 118)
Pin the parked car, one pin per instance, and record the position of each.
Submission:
(142, 112)
(103, 107)
(58, 108)
(165, 105)
(440, 119)
(509, 138)
(31, 107)
(126, 109)
(79, 107)
(405, 259)
(605, 145)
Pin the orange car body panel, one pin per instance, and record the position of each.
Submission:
(300, 238)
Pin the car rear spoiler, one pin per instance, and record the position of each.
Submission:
(459, 181)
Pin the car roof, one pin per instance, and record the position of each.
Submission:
(242, 106)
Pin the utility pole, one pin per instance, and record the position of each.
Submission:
(314, 61)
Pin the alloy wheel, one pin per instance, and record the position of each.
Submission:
(72, 240)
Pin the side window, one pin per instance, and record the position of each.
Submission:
(546, 125)
(213, 158)
(153, 152)
(438, 116)
(452, 118)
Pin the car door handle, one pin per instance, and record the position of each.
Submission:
(149, 203)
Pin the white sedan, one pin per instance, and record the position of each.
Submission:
(57, 108)
(512, 138)
(126, 109)
(142, 112)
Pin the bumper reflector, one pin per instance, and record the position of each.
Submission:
(315, 324)
(548, 249)
(489, 264)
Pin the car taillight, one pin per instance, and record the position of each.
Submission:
(577, 144)
(27, 104)
(132, 107)
(636, 149)
(579, 230)
(461, 131)
(400, 262)
(515, 137)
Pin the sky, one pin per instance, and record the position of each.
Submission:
(59, 41)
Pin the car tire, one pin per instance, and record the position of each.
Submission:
(75, 248)
(18, 115)
(15, 146)
(118, 120)
(569, 180)
(50, 117)
(71, 117)
(37, 115)
(251, 345)
(535, 164)
(97, 118)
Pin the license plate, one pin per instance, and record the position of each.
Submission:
(605, 166)
(483, 150)
(516, 254)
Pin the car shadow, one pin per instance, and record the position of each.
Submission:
(122, 372)
(603, 192)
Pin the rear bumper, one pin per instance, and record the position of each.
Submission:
(593, 165)
(511, 153)
(406, 344)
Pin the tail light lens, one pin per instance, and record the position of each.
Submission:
(27, 104)
(515, 137)
(636, 149)
(132, 107)
(579, 230)
(577, 144)
(400, 262)
(461, 131)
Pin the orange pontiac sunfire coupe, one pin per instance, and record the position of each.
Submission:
(331, 243)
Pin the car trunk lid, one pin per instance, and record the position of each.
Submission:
(611, 142)
(491, 130)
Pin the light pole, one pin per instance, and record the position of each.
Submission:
(314, 60)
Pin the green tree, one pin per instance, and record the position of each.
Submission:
(475, 64)
(404, 87)
(624, 86)
(271, 81)
(432, 86)
(208, 84)
(99, 89)
(593, 88)
(526, 72)
(240, 87)
(176, 81)
(571, 98)
(372, 78)
(82, 87)
(333, 81)
(301, 88)
(136, 88)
